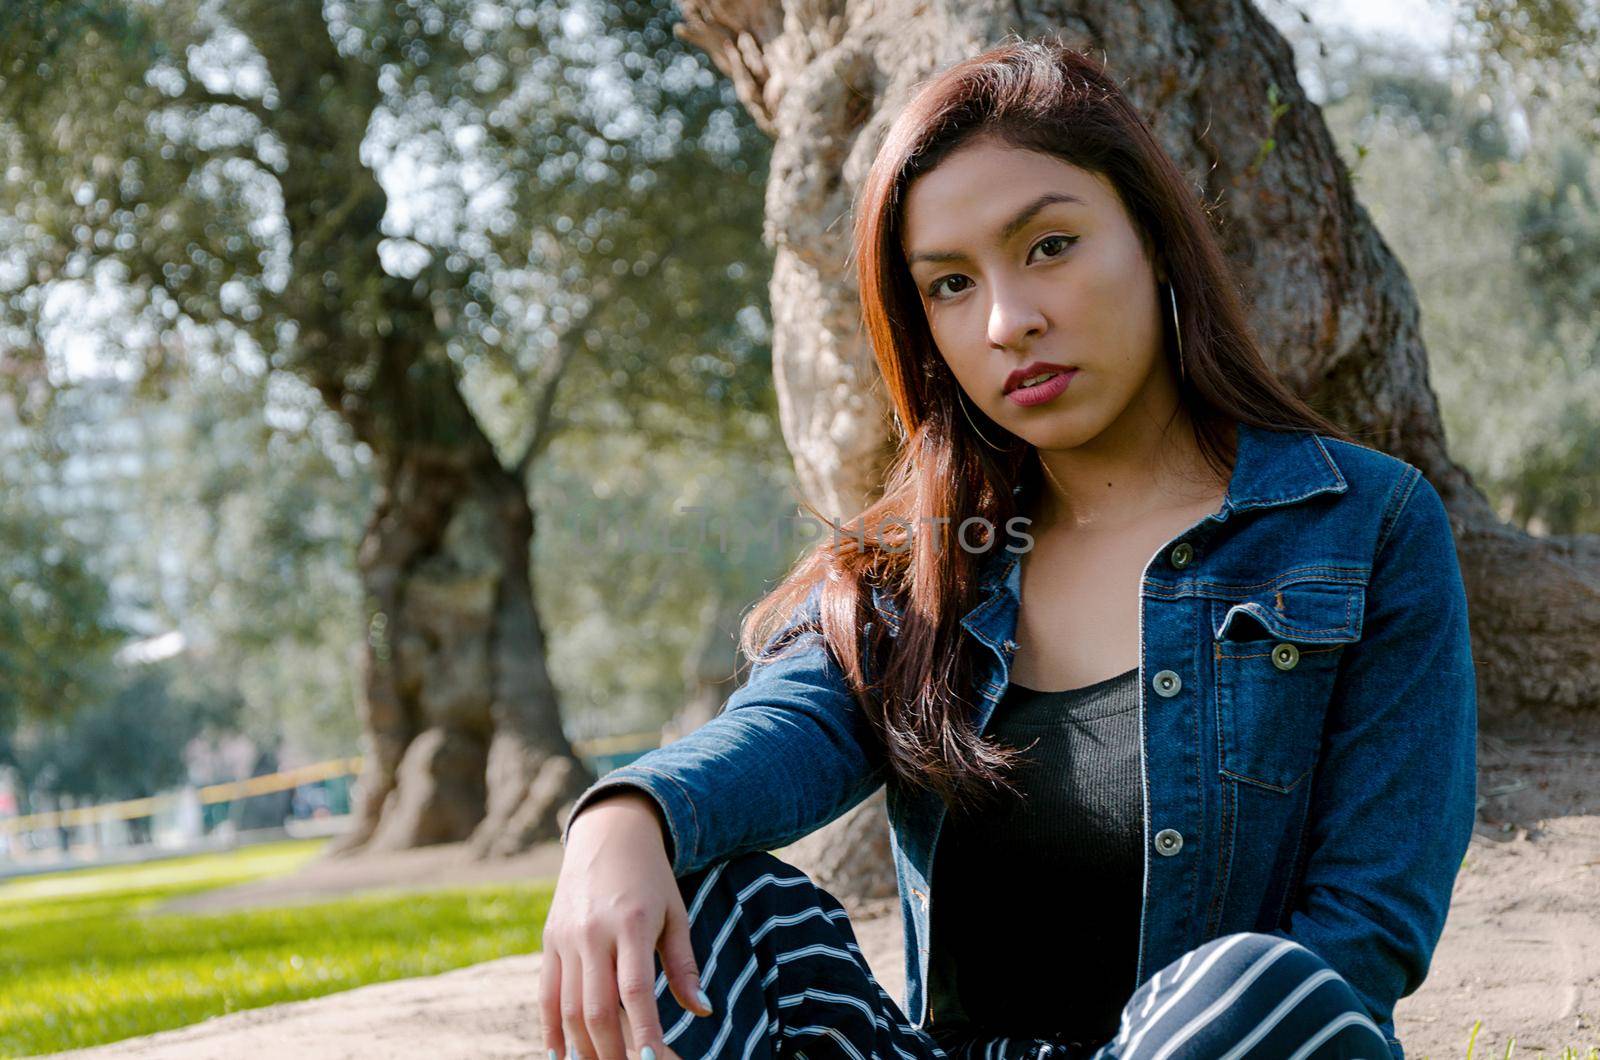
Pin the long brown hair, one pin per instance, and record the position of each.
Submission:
(1040, 95)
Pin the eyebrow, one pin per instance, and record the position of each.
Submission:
(1007, 230)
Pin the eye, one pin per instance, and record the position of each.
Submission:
(1065, 241)
(933, 288)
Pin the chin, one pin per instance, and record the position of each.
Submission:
(1055, 437)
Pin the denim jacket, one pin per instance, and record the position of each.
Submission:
(1308, 713)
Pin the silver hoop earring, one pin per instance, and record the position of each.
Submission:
(962, 402)
(1176, 330)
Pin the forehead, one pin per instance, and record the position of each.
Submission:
(965, 200)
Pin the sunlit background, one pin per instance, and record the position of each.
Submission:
(572, 195)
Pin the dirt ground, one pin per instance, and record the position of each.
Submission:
(1521, 950)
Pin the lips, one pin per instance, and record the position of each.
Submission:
(1031, 371)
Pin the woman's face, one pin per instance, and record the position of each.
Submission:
(1021, 257)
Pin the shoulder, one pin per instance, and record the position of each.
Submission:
(1391, 493)
(1378, 482)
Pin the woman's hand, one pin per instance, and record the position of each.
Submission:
(616, 903)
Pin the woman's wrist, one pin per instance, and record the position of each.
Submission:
(633, 803)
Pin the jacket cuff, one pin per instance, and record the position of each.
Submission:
(676, 810)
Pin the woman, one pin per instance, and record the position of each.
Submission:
(1173, 675)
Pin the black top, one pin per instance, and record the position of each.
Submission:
(1035, 904)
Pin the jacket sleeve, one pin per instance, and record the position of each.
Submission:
(790, 751)
(1393, 802)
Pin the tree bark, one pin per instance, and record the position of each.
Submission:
(462, 722)
(710, 670)
(1332, 307)
(461, 717)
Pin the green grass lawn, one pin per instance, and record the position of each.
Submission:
(84, 960)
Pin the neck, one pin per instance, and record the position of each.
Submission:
(1140, 464)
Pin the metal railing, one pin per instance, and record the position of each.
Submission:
(606, 752)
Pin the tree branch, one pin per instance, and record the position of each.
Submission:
(544, 419)
(198, 95)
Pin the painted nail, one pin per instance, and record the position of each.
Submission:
(705, 1002)
(647, 1053)
(553, 1054)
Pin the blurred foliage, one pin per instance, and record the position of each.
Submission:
(1482, 171)
(273, 496)
(290, 227)
(501, 179)
(541, 194)
(1551, 46)
(125, 743)
(198, 518)
(621, 562)
(90, 957)
(56, 627)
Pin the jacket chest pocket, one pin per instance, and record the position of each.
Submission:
(1277, 655)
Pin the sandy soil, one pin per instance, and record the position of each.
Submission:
(1521, 951)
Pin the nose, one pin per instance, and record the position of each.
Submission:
(1013, 320)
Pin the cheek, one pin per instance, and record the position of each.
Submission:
(1116, 301)
(1118, 276)
(954, 340)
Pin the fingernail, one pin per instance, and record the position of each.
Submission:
(705, 1002)
(553, 1054)
(647, 1053)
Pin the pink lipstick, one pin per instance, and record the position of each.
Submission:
(1043, 391)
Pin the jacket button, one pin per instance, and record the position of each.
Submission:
(1182, 554)
(1009, 646)
(1167, 683)
(1284, 656)
(1169, 841)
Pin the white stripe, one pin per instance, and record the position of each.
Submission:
(1272, 1018)
(1288, 1003)
(726, 1027)
(735, 913)
(1150, 999)
(725, 932)
(757, 1033)
(705, 889)
(765, 878)
(1231, 995)
(817, 949)
(1199, 973)
(1127, 1025)
(790, 1000)
(1182, 965)
(708, 970)
(831, 1033)
(1339, 1023)
(786, 920)
(877, 1018)
(694, 911)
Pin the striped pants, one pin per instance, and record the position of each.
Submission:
(779, 960)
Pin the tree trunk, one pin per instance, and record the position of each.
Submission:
(461, 718)
(1333, 309)
(710, 670)
(462, 723)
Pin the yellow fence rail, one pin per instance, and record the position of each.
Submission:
(266, 784)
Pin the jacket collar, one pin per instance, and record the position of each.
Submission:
(1270, 468)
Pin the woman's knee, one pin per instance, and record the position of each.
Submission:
(744, 876)
(1288, 968)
